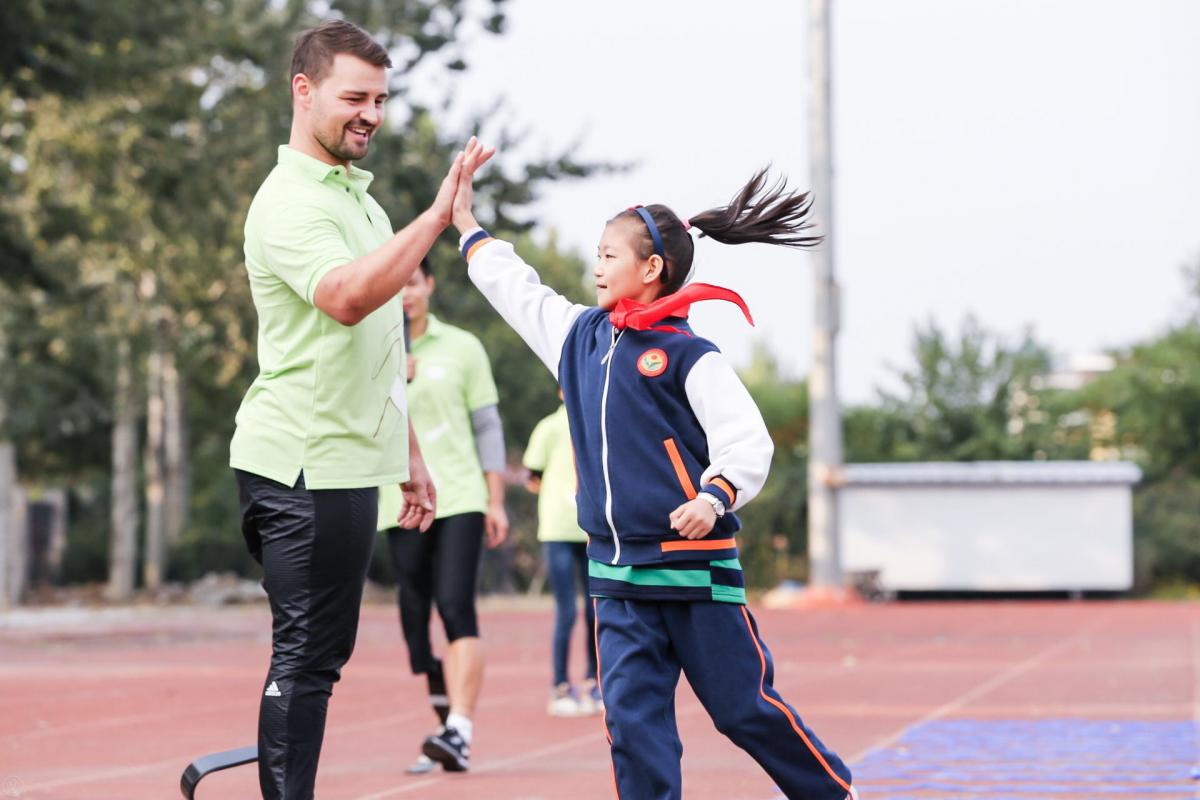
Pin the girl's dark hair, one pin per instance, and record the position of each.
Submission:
(757, 213)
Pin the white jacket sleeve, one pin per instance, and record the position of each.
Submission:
(739, 446)
(539, 315)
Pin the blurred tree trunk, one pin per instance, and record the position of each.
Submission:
(10, 542)
(8, 481)
(56, 548)
(154, 557)
(177, 482)
(122, 552)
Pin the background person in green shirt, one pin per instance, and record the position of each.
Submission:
(550, 460)
(453, 402)
(325, 422)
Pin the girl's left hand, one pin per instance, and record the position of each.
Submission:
(473, 157)
(694, 519)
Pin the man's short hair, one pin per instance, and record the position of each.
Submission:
(316, 47)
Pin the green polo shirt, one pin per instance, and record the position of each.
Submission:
(550, 453)
(453, 378)
(323, 402)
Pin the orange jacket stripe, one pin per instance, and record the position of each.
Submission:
(680, 471)
(724, 486)
(700, 544)
(478, 245)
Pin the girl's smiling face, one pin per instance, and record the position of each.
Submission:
(620, 271)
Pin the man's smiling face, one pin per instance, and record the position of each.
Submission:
(347, 107)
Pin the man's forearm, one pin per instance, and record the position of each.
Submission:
(414, 447)
(352, 291)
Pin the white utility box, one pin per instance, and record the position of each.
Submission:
(990, 526)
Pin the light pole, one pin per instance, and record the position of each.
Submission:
(825, 420)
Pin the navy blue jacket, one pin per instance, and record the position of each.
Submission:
(639, 420)
(656, 416)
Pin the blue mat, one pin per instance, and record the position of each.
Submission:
(1002, 759)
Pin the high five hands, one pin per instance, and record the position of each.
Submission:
(474, 156)
(448, 206)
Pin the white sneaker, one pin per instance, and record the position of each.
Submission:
(590, 699)
(421, 766)
(564, 701)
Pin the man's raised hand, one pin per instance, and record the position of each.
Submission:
(441, 207)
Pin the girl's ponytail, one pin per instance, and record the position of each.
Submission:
(759, 214)
(755, 214)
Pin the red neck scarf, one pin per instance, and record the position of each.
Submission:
(644, 316)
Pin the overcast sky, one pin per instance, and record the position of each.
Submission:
(1033, 162)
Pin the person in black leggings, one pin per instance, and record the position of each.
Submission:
(453, 402)
(439, 567)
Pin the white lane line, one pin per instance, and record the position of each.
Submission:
(492, 766)
(107, 774)
(182, 761)
(966, 697)
(982, 689)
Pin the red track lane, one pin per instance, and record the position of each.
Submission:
(112, 704)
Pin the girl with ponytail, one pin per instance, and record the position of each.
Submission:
(668, 446)
(755, 214)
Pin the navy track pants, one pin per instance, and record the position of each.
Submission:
(644, 644)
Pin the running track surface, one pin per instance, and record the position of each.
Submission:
(965, 700)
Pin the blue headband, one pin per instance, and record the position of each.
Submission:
(658, 245)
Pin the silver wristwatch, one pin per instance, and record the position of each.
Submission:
(715, 502)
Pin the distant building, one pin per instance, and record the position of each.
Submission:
(1079, 371)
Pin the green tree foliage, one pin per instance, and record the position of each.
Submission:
(978, 398)
(1166, 516)
(1154, 395)
(968, 397)
(1149, 410)
(132, 136)
(774, 541)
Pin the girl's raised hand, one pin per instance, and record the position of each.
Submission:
(474, 156)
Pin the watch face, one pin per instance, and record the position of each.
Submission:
(715, 502)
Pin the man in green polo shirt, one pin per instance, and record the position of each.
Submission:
(325, 422)
(453, 401)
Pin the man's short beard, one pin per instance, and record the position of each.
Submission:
(336, 150)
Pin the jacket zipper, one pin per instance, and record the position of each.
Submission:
(608, 515)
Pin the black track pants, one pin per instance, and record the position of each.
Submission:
(314, 547)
